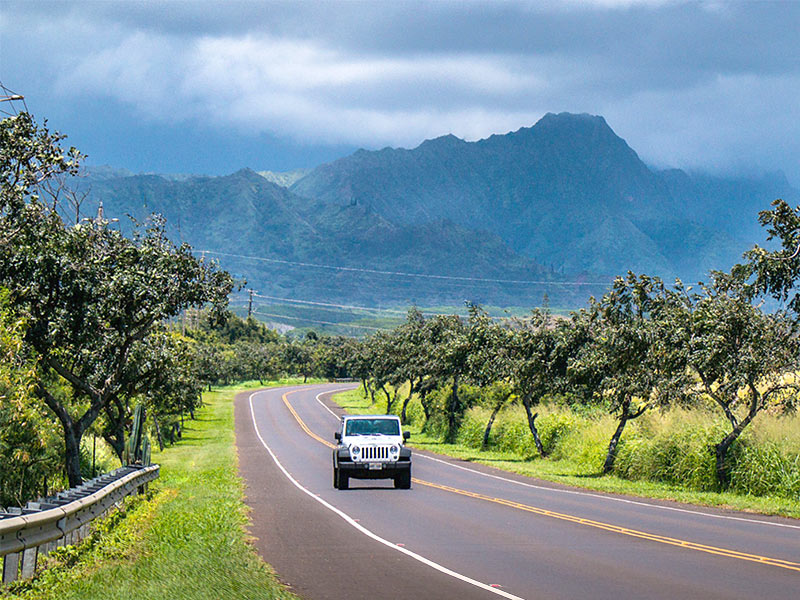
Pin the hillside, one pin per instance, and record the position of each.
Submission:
(560, 205)
(567, 192)
(259, 230)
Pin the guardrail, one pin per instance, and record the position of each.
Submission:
(63, 519)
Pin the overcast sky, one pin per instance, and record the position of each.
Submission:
(204, 87)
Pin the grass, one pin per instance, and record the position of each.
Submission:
(577, 454)
(185, 540)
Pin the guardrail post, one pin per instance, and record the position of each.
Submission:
(10, 567)
(29, 557)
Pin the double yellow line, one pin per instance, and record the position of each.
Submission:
(766, 560)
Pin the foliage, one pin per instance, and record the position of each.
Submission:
(776, 272)
(89, 295)
(30, 452)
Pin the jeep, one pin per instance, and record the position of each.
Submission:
(371, 447)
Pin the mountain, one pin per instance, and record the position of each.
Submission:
(286, 178)
(278, 240)
(567, 192)
(556, 208)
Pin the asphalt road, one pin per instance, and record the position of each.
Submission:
(467, 531)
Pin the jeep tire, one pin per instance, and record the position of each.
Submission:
(341, 479)
(402, 481)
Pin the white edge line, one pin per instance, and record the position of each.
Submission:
(578, 493)
(367, 532)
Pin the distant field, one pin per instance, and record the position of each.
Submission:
(333, 320)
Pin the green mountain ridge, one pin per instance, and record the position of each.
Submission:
(556, 209)
(258, 230)
(567, 191)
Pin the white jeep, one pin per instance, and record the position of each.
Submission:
(371, 447)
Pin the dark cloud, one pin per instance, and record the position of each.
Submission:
(687, 83)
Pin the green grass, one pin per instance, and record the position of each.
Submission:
(187, 540)
(578, 446)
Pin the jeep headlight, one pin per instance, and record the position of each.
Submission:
(394, 450)
(355, 450)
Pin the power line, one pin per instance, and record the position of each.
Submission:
(402, 273)
(318, 322)
(343, 306)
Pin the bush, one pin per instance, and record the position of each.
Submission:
(473, 425)
(554, 427)
(766, 469)
(679, 456)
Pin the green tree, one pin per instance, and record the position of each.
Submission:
(623, 355)
(776, 272)
(30, 451)
(489, 363)
(743, 358)
(89, 294)
(449, 363)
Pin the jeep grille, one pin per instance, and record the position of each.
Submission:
(375, 453)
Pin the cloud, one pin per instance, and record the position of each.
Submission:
(302, 89)
(692, 84)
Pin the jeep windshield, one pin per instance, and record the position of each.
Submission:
(372, 427)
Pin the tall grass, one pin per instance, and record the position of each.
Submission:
(674, 447)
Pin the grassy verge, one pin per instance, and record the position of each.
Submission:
(569, 471)
(186, 540)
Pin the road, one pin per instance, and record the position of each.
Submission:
(467, 531)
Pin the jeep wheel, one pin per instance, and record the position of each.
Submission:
(342, 481)
(402, 481)
(335, 478)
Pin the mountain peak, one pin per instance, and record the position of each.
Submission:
(572, 123)
(444, 141)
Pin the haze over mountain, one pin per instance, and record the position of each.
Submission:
(566, 200)
(566, 192)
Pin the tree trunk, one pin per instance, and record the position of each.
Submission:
(72, 436)
(426, 407)
(493, 416)
(364, 383)
(158, 433)
(403, 417)
(72, 445)
(452, 410)
(526, 402)
(721, 451)
(389, 399)
(611, 456)
(117, 445)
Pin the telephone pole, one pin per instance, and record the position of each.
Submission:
(250, 305)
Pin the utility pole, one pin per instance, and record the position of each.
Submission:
(250, 305)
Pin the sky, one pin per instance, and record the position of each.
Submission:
(212, 87)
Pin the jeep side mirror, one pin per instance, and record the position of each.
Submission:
(338, 436)
(406, 435)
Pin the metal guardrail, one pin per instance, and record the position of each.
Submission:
(63, 519)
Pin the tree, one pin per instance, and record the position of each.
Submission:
(533, 345)
(29, 445)
(489, 363)
(450, 350)
(90, 295)
(776, 272)
(299, 358)
(743, 358)
(386, 365)
(413, 346)
(623, 352)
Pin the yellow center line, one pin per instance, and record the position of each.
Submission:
(775, 562)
